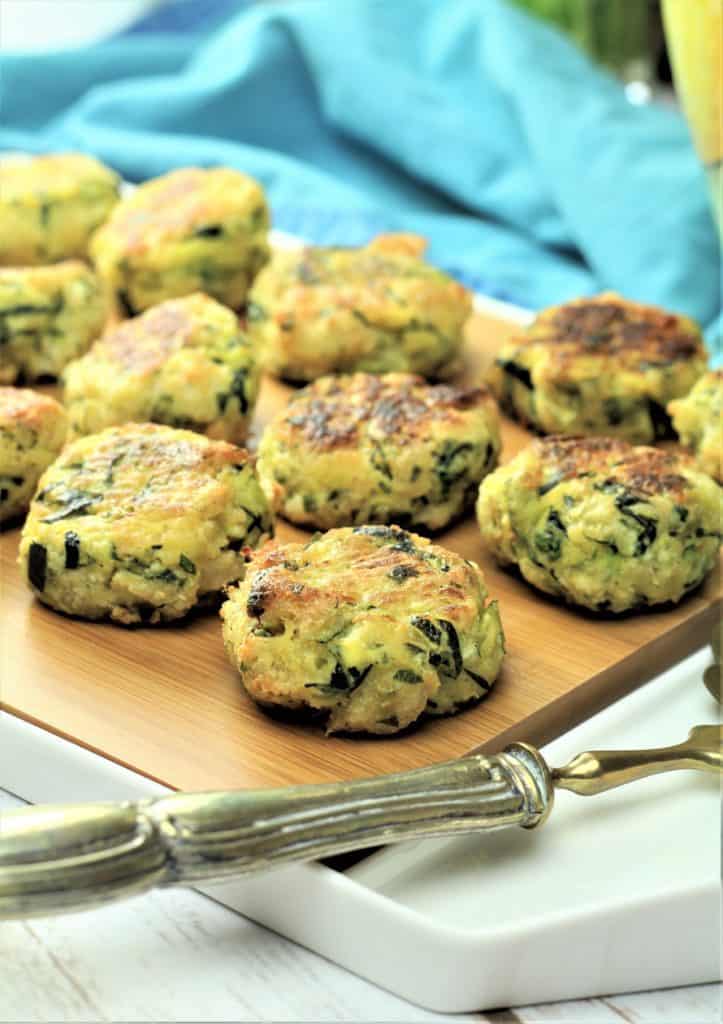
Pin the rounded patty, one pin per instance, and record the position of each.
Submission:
(389, 449)
(48, 316)
(698, 421)
(185, 363)
(50, 205)
(601, 523)
(190, 230)
(370, 627)
(602, 365)
(32, 432)
(139, 522)
(380, 308)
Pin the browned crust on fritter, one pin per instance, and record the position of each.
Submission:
(330, 412)
(399, 244)
(275, 571)
(640, 468)
(145, 342)
(652, 471)
(26, 407)
(610, 326)
(159, 451)
(159, 208)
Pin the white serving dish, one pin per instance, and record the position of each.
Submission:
(615, 893)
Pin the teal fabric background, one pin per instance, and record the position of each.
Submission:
(531, 174)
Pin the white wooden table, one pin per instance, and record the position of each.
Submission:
(178, 956)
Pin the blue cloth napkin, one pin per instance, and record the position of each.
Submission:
(529, 171)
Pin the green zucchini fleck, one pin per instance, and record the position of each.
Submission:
(520, 373)
(451, 665)
(646, 526)
(554, 480)
(74, 502)
(164, 576)
(37, 565)
(238, 388)
(210, 231)
(405, 675)
(402, 572)
(379, 460)
(255, 313)
(432, 632)
(72, 550)
(614, 412)
(549, 540)
(124, 301)
(452, 464)
(480, 680)
(187, 565)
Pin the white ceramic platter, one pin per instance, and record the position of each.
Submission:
(615, 893)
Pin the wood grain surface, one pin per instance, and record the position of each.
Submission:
(165, 702)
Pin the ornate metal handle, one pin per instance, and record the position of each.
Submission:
(64, 858)
(61, 858)
(595, 771)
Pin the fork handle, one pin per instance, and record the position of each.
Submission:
(59, 858)
(596, 771)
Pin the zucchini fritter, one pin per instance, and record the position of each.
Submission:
(190, 230)
(601, 365)
(698, 421)
(50, 205)
(369, 627)
(389, 449)
(32, 432)
(601, 523)
(140, 522)
(185, 363)
(379, 308)
(48, 316)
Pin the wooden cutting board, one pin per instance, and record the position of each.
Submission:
(165, 702)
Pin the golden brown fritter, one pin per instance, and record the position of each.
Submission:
(32, 432)
(379, 308)
(186, 363)
(50, 205)
(698, 421)
(601, 523)
(371, 627)
(139, 522)
(48, 316)
(360, 449)
(602, 365)
(191, 230)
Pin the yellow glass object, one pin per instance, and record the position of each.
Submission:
(694, 33)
